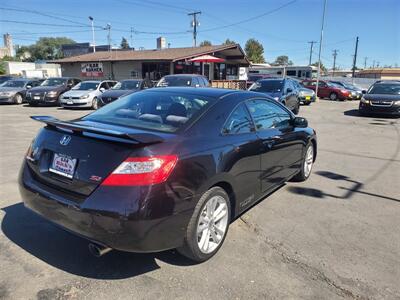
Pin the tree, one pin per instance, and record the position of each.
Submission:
(205, 43)
(124, 44)
(3, 65)
(282, 60)
(323, 68)
(229, 42)
(46, 48)
(254, 51)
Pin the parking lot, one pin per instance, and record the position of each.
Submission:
(334, 236)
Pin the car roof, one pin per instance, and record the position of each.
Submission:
(387, 82)
(184, 75)
(272, 79)
(94, 81)
(206, 92)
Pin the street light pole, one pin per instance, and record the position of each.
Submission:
(93, 41)
(320, 50)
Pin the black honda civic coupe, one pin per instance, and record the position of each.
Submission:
(164, 168)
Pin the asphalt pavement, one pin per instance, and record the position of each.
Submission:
(335, 236)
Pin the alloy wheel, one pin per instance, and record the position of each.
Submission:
(212, 224)
(309, 160)
(18, 99)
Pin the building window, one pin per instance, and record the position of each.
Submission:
(219, 71)
(154, 71)
(231, 70)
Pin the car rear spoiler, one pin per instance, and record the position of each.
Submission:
(136, 138)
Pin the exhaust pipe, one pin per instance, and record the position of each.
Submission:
(98, 250)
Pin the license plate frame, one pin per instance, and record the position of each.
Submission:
(70, 102)
(36, 97)
(63, 165)
(308, 97)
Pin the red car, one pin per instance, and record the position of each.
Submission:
(328, 90)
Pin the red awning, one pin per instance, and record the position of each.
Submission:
(207, 58)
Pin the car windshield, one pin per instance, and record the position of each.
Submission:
(166, 111)
(86, 86)
(54, 82)
(127, 85)
(175, 81)
(267, 86)
(14, 83)
(386, 88)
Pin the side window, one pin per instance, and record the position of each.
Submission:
(104, 85)
(76, 81)
(322, 84)
(238, 122)
(195, 81)
(268, 115)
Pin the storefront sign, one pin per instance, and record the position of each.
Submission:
(92, 70)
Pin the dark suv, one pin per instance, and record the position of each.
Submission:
(50, 90)
(283, 90)
(383, 97)
(187, 80)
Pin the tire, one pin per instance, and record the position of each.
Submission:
(196, 247)
(306, 165)
(18, 99)
(333, 96)
(95, 104)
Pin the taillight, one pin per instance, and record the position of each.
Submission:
(142, 171)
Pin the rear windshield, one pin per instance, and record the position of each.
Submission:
(127, 85)
(267, 86)
(167, 111)
(175, 81)
(389, 89)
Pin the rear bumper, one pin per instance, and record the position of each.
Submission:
(382, 110)
(117, 218)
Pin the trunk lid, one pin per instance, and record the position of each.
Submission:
(75, 157)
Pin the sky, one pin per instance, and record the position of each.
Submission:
(284, 27)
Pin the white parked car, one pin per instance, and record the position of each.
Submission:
(85, 93)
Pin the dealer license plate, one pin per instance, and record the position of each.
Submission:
(63, 165)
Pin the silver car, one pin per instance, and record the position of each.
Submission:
(14, 90)
(85, 94)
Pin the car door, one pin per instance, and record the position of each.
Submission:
(278, 140)
(243, 161)
(323, 89)
(290, 95)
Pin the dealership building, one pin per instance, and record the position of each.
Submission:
(215, 62)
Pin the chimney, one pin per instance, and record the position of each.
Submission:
(161, 43)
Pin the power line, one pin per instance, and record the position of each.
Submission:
(41, 24)
(251, 18)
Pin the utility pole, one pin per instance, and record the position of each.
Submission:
(132, 38)
(334, 61)
(355, 58)
(93, 41)
(311, 50)
(365, 62)
(108, 27)
(320, 50)
(194, 24)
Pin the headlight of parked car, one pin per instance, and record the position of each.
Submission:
(52, 94)
(364, 101)
(84, 96)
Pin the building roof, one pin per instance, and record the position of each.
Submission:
(168, 54)
(382, 71)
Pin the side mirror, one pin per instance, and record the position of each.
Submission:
(28, 87)
(102, 90)
(364, 92)
(300, 122)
